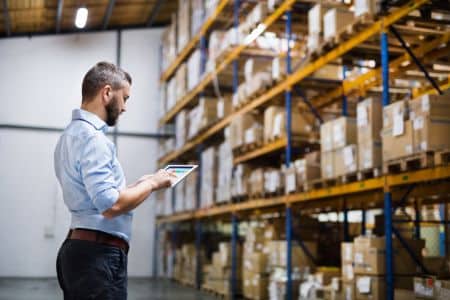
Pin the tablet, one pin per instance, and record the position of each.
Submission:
(181, 171)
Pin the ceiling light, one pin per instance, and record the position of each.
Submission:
(81, 17)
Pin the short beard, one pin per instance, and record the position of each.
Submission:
(112, 111)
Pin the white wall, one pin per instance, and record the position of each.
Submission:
(40, 85)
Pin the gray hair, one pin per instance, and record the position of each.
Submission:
(103, 73)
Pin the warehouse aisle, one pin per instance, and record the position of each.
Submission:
(138, 289)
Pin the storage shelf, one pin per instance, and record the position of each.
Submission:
(233, 54)
(380, 184)
(291, 80)
(193, 42)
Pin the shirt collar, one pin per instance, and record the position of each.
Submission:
(93, 119)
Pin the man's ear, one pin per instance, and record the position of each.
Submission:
(106, 94)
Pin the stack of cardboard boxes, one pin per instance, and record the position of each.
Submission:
(185, 264)
(209, 177)
(302, 171)
(363, 266)
(431, 288)
(302, 124)
(416, 126)
(338, 147)
(241, 127)
(190, 198)
(202, 116)
(225, 169)
(169, 43)
(256, 270)
(369, 124)
(218, 274)
(239, 181)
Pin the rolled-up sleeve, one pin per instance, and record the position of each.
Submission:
(97, 173)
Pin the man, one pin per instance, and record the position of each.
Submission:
(92, 261)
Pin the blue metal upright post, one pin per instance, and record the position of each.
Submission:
(344, 97)
(198, 251)
(442, 230)
(288, 253)
(234, 241)
(288, 104)
(416, 220)
(346, 229)
(288, 94)
(387, 193)
(234, 219)
(363, 222)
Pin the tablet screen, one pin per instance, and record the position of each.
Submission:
(181, 171)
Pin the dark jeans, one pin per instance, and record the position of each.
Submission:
(89, 270)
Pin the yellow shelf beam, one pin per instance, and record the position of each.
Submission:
(265, 149)
(193, 42)
(295, 77)
(207, 79)
(370, 185)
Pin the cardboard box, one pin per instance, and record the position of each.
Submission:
(397, 146)
(256, 182)
(181, 126)
(181, 81)
(347, 252)
(184, 20)
(430, 134)
(298, 257)
(369, 155)
(327, 164)
(345, 160)
(209, 176)
(171, 93)
(369, 120)
(343, 132)
(275, 123)
(207, 113)
(224, 107)
(348, 289)
(239, 180)
(225, 170)
(394, 114)
(370, 288)
(238, 127)
(403, 294)
(315, 17)
(256, 262)
(370, 7)
(369, 256)
(424, 287)
(326, 138)
(334, 22)
(254, 134)
(197, 15)
(194, 69)
(348, 272)
(443, 289)
(308, 168)
(433, 106)
(273, 180)
(191, 191)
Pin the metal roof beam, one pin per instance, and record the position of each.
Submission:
(154, 12)
(59, 15)
(108, 14)
(6, 18)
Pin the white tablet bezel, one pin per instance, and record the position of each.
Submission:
(193, 167)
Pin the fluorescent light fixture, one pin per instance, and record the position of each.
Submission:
(81, 17)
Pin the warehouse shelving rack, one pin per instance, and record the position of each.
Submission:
(361, 195)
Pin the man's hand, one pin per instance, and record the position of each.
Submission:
(161, 179)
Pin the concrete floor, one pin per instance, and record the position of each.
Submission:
(138, 289)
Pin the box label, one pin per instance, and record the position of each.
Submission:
(363, 285)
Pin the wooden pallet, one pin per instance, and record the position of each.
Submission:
(442, 157)
(346, 178)
(319, 183)
(278, 192)
(359, 24)
(257, 195)
(411, 162)
(368, 173)
(239, 199)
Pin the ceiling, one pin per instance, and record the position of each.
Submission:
(31, 17)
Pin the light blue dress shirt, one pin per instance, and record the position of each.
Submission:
(90, 175)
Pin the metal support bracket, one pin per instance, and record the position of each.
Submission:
(313, 110)
(410, 252)
(415, 59)
(404, 197)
